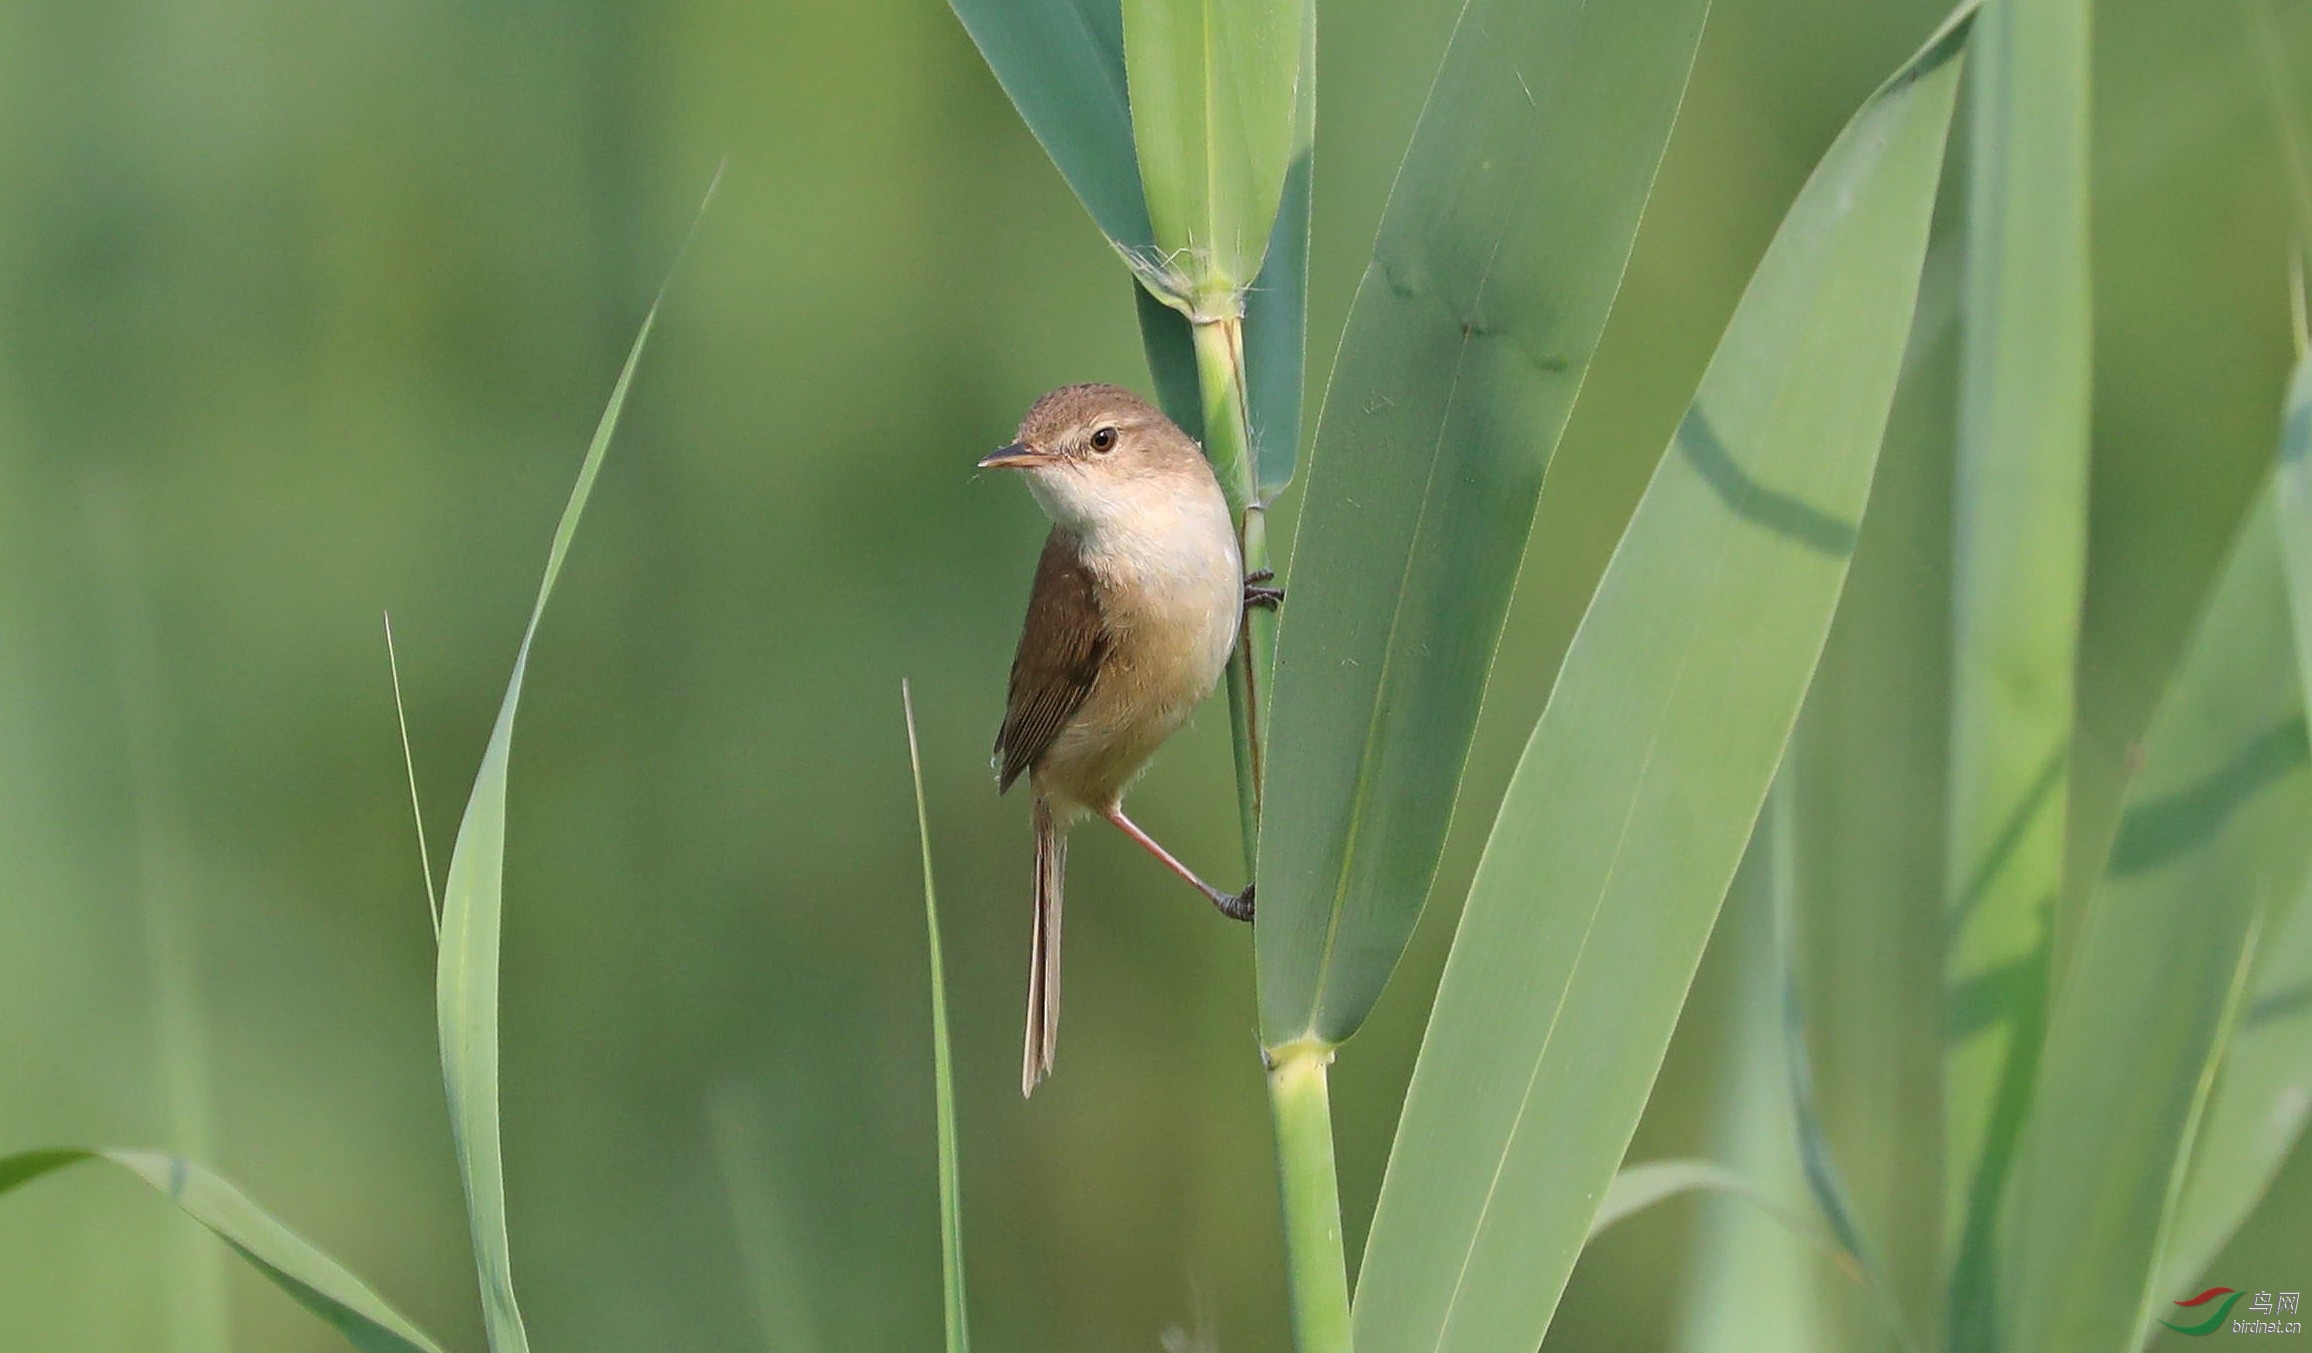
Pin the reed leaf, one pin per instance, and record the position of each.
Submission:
(1638, 790)
(314, 1280)
(473, 907)
(2019, 558)
(1499, 255)
(2211, 847)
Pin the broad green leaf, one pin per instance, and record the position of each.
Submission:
(1062, 63)
(1498, 258)
(314, 1280)
(473, 904)
(1215, 103)
(2211, 845)
(1636, 795)
(2263, 1094)
(2019, 556)
(943, 1072)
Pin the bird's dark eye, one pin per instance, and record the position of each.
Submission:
(1104, 440)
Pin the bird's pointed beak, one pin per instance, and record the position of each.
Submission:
(1017, 456)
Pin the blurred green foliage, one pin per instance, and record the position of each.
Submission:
(305, 313)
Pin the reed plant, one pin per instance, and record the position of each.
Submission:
(1641, 788)
(2117, 1049)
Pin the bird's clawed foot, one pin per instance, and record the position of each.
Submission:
(1258, 593)
(1237, 907)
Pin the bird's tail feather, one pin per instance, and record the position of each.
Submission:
(1044, 951)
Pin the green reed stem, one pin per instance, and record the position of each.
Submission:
(1228, 441)
(1316, 1265)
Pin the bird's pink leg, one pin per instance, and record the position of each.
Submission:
(1235, 906)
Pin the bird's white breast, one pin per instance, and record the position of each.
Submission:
(1171, 597)
(1174, 584)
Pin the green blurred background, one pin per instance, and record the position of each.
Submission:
(306, 310)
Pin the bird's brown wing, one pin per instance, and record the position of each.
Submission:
(1060, 653)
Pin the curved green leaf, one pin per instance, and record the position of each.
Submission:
(473, 904)
(1638, 1187)
(317, 1282)
(2211, 845)
(1498, 258)
(2019, 559)
(1062, 63)
(1637, 793)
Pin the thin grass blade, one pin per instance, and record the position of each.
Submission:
(198, 1305)
(433, 907)
(2019, 560)
(314, 1280)
(473, 901)
(1638, 791)
(943, 1071)
(473, 905)
(1499, 255)
(2211, 844)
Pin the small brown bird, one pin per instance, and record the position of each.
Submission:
(1136, 607)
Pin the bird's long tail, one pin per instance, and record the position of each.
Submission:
(1044, 951)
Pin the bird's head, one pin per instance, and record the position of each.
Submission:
(1089, 450)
